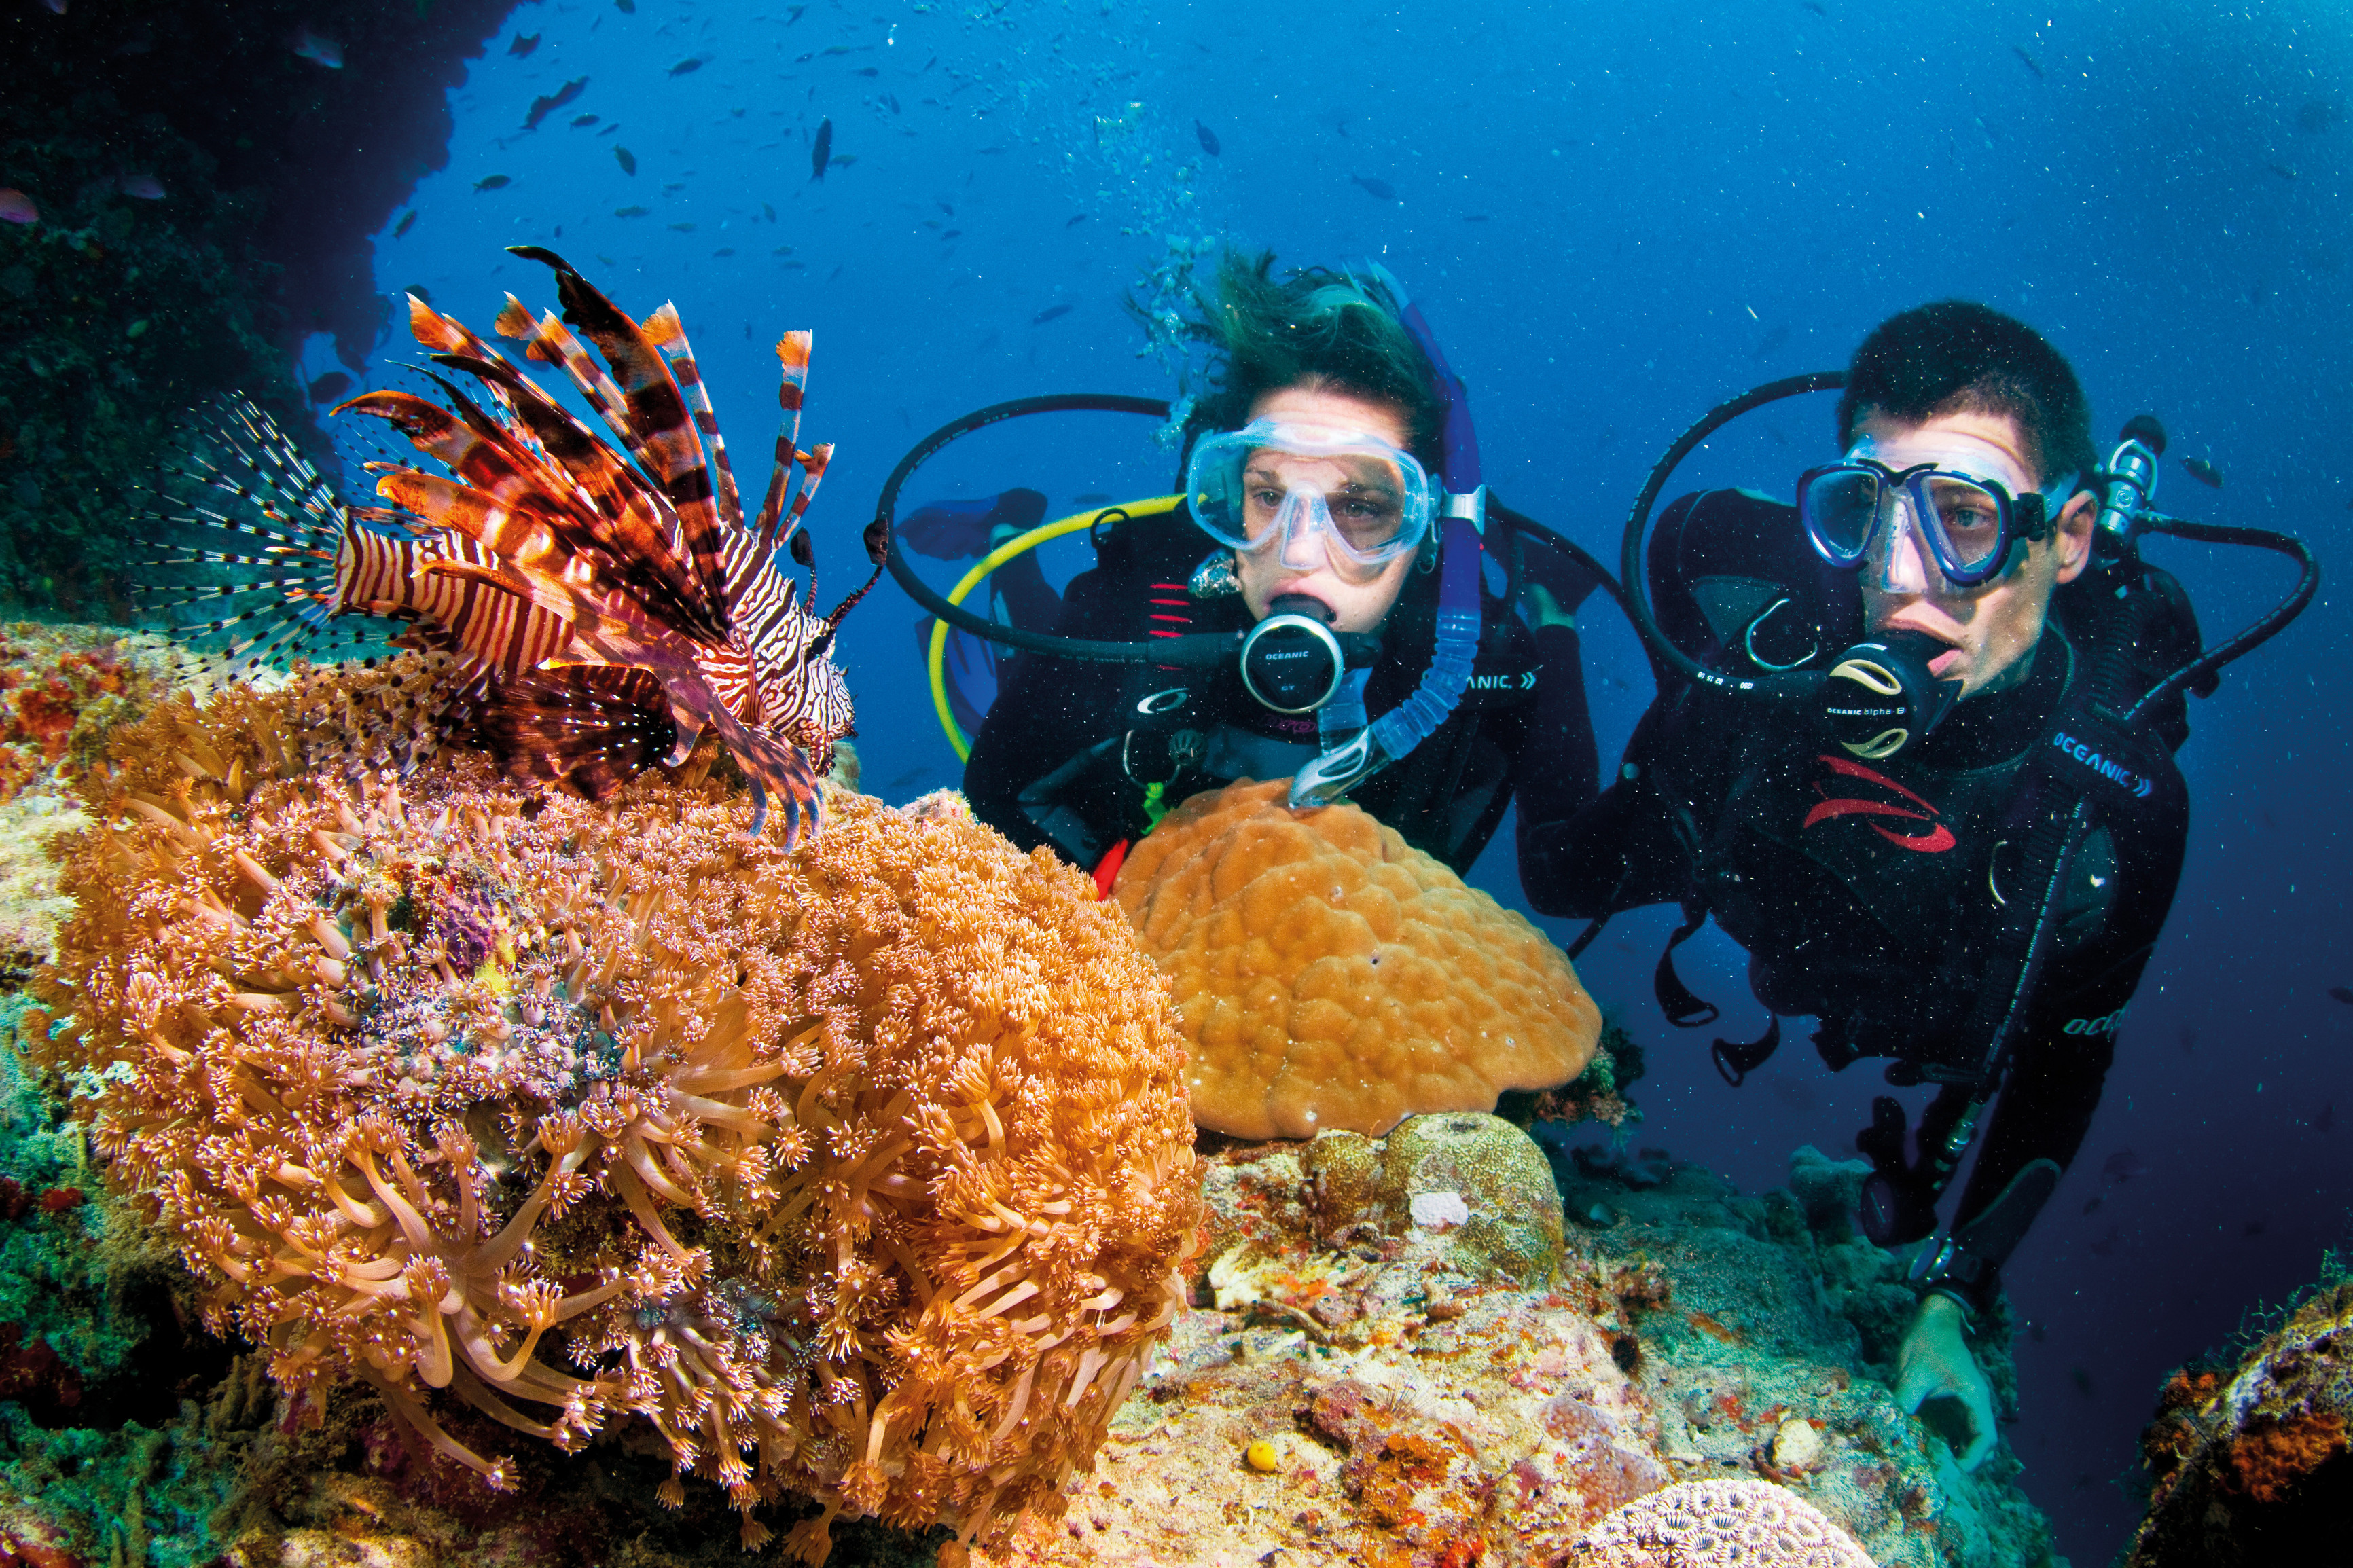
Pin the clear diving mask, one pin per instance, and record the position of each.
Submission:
(1320, 495)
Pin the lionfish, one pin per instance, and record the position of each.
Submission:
(605, 607)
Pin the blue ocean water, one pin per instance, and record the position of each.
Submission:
(1614, 216)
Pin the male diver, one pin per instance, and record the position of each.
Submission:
(1323, 484)
(1940, 873)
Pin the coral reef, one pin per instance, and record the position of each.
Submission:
(96, 1454)
(860, 1171)
(1599, 1093)
(1372, 1395)
(2248, 1458)
(64, 689)
(1329, 975)
(1726, 1523)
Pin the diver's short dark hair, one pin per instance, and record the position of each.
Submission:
(1311, 324)
(1956, 356)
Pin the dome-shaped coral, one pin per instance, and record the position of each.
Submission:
(1329, 975)
(1725, 1523)
(860, 1169)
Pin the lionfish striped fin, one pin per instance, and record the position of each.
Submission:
(658, 410)
(629, 556)
(608, 486)
(668, 334)
(473, 445)
(793, 353)
(552, 343)
(594, 727)
(814, 463)
(447, 335)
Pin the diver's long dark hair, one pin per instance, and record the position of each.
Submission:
(1312, 325)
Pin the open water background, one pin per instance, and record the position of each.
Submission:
(1614, 216)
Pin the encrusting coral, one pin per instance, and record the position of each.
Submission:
(1328, 975)
(2249, 1459)
(861, 1169)
(1726, 1522)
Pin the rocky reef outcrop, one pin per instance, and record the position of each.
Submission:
(2248, 1456)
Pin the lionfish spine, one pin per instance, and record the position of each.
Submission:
(792, 391)
(548, 341)
(450, 336)
(668, 334)
(672, 448)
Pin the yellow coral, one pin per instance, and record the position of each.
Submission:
(861, 1170)
(1329, 975)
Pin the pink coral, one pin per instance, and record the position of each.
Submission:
(1716, 1525)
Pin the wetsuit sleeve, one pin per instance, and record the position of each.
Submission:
(1635, 843)
(1048, 710)
(2068, 1039)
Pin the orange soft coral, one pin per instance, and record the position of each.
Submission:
(1330, 976)
(861, 1170)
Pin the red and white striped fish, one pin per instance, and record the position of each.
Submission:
(610, 605)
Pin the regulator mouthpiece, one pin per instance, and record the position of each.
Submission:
(1880, 696)
(1291, 662)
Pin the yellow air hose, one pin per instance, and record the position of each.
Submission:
(936, 662)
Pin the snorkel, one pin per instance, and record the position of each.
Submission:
(1354, 751)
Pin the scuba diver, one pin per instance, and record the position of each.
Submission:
(1317, 485)
(1912, 749)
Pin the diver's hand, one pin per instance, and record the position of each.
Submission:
(1934, 1364)
(1544, 610)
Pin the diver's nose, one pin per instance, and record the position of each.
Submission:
(1899, 559)
(1304, 522)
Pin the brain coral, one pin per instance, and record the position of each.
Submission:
(860, 1171)
(1722, 1524)
(1328, 975)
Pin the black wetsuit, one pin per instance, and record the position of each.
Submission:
(1866, 894)
(1521, 727)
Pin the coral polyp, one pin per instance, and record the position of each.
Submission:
(861, 1170)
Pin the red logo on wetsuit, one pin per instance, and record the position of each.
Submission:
(1938, 839)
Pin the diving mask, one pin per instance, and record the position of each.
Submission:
(1318, 494)
(1957, 504)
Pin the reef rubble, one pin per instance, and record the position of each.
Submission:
(1367, 1379)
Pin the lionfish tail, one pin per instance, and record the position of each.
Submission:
(245, 532)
